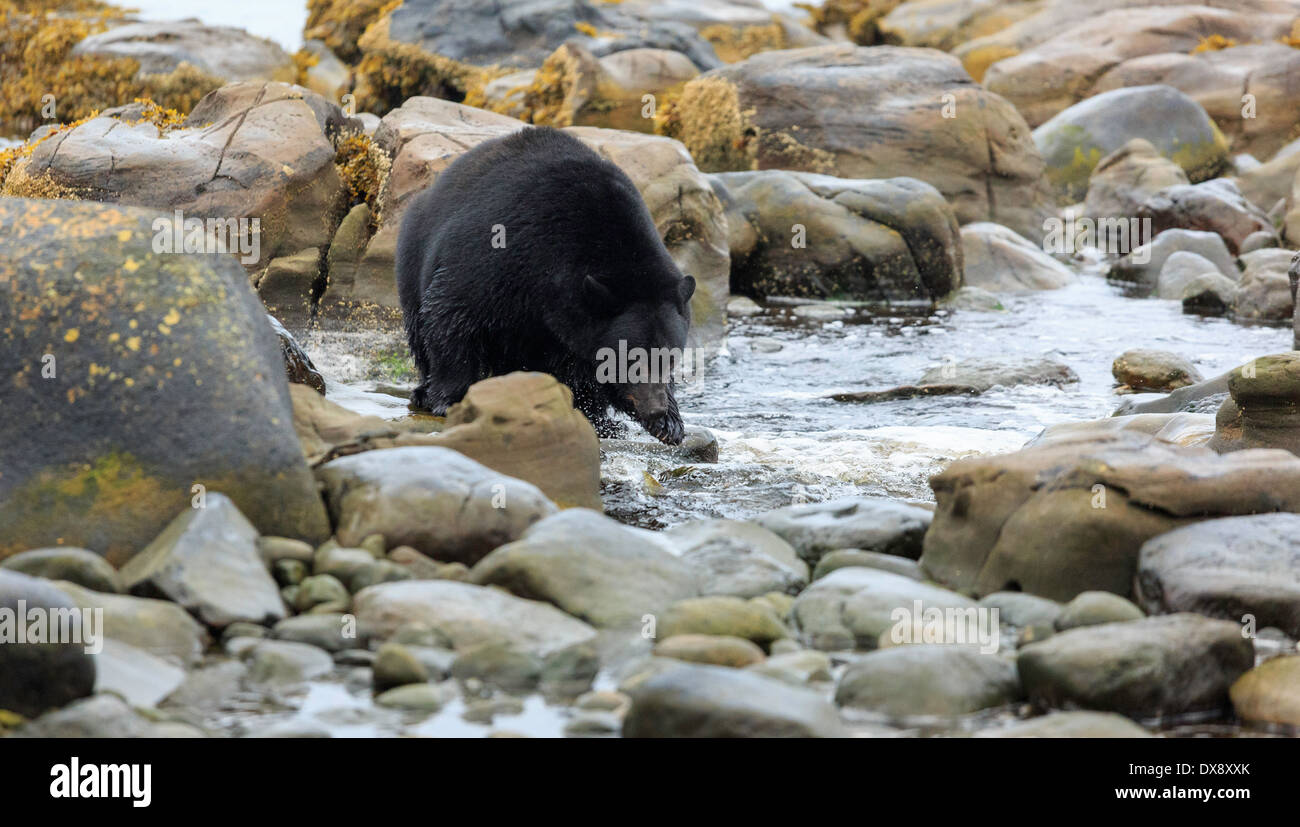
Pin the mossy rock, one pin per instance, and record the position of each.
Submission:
(129, 377)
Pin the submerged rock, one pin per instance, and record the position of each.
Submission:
(983, 374)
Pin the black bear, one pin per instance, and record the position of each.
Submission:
(531, 252)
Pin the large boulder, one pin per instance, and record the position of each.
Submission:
(1215, 206)
(425, 135)
(1232, 568)
(592, 567)
(249, 150)
(873, 112)
(435, 500)
(803, 234)
(221, 51)
(37, 674)
(1063, 52)
(1070, 515)
(1075, 141)
(1248, 90)
(132, 377)
(1146, 669)
(1000, 259)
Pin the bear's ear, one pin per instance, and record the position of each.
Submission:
(686, 288)
(598, 295)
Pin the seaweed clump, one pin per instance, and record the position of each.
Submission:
(41, 81)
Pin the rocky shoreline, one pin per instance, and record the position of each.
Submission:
(254, 548)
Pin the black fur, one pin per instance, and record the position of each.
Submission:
(582, 268)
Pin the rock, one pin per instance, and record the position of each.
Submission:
(942, 24)
(221, 51)
(468, 615)
(1218, 79)
(524, 425)
(1001, 260)
(742, 305)
(1260, 240)
(321, 590)
(1070, 515)
(983, 374)
(332, 632)
(1294, 275)
(1229, 568)
(159, 627)
(424, 135)
(1022, 610)
(270, 142)
(719, 650)
(76, 565)
(139, 677)
(1264, 293)
(435, 500)
(80, 444)
(395, 665)
(1268, 693)
(1203, 397)
(849, 557)
(864, 523)
(283, 663)
(205, 690)
(298, 365)
(380, 571)
(1216, 206)
(1208, 294)
(35, 673)
(1093, 608)
(207, 561)
(99, 716)
(289, 572)
(1261, 410)
(1078, 724)
(1185, 429)
(499, 665)
(798, 668)
(275, 549)
(974, 298)
(1290, 211)
(591, 567)
(730, 557)
(415, 697)
(700, 701)
(1145, 264)
(699, 444)
(1182, 274)
(855, 606)
(328, 76)
(803, 234)
(1150, 668)
(1124, 179)
(727, 616)
(1154, 370)
(1075, 141)
(868, 113)
(943, 680)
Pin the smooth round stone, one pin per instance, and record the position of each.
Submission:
(416, 697)
(1092, 608)
(591, 724)
(871, 559)
(288, 572)
(319, 589)
(719, 650)
(76, 565)
(284, 548)
(395, 665)
(497, 664)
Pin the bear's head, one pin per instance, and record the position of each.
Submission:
(640, 344)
